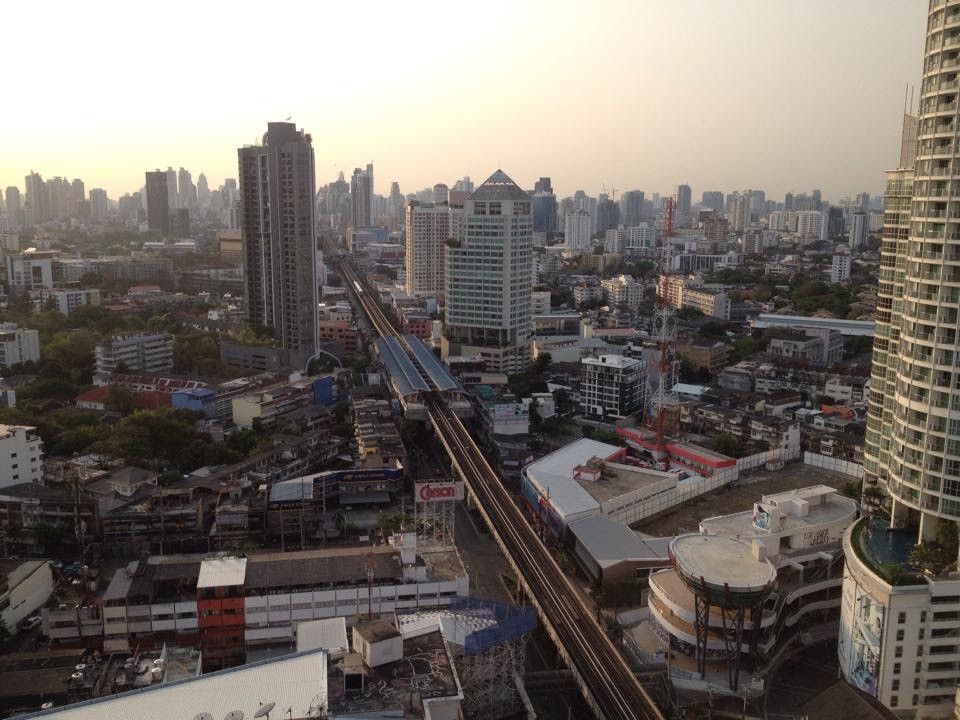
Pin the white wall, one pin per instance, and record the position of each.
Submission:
(833, 464)
(28, 594)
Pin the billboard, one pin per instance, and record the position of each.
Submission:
(438, 492)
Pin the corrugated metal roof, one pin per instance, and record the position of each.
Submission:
(553, 475)
(329, 634)
(295, 681)
(220, 572)
(438, 372)
(401, 369)
(609, 542)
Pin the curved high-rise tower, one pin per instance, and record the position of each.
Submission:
(898, 634)
(916, 346)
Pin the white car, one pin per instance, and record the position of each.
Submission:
(32, 622)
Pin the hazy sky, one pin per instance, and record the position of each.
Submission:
(646, 94)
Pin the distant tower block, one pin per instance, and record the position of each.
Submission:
(728, 579)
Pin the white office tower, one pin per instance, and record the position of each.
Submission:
(576, 233)
(840, 268)
(899, 637)
(809, 225)
(489, 278)
(427, 230)
(859, 229)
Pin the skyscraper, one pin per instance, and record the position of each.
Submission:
(99, 207)
(543, 185)
(427, 231)
(576, 232)
(608, 214)
(740, 216)
(859, 229)
(395, 202)
(78, 194)
(683, 199)
(36, 208)
(58, 198)
(14, 205)
(203, 192)
(489, 278)
(277, 191)
(544, 211)
(895, 626)
(632, 207)
(185, 189)
(713, 199)
(172, 196)
(361, 196)
(158, 202)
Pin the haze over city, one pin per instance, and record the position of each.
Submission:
(626, 94)
(483, 361)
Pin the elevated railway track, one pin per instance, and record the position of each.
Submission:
(607, 683)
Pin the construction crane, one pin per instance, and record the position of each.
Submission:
(612, 192)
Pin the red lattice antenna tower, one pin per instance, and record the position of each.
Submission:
(665, 329)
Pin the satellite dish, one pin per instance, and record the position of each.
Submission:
(264, 710)
(234, 715)
(316, 706)
(203, 716)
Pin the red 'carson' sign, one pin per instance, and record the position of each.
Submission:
(438, 492)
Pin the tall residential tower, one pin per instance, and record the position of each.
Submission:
(898, 635)
(427, 231)
(277, 191)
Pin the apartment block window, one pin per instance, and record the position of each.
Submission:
(896, 668)
(898, 651)
(900, 635)
(901, 618)
(893, 701)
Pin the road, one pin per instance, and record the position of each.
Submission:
(608, 685)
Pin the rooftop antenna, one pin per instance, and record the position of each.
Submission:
(664, 325)
(370, 585)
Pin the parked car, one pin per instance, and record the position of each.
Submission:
(31, 623)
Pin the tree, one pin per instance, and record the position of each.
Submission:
(119, 399)
(158, 438)
(713, 331)
(340, 521)
(542, 362)
(937, 555)
(873, 500)
(242, 441)
(726, 444)
(196, 352)
(169, 477)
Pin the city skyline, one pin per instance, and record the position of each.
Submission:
(787, 121)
